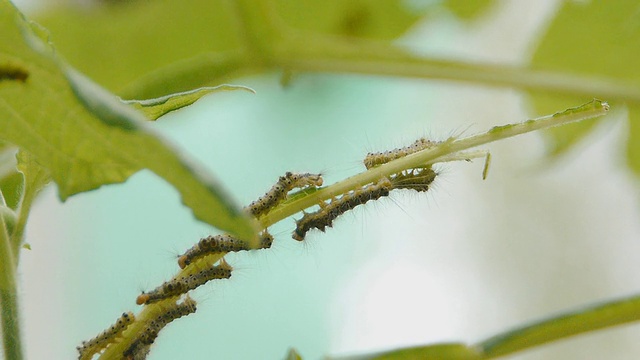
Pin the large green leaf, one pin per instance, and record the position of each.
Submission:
(98, 140)
(116, 44)
(598, 39)
(130, 47)
(466, 9)
(380, 19)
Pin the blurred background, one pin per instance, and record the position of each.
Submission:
(463, 262)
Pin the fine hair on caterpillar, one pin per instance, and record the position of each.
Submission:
(279, 191)
(419, 179)
(221, 244)
(324, 217)
(105, 338)
(139, 348)
(374, 159)
(182, 285)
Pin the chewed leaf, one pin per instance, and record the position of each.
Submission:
(85, 136)
(155, 108)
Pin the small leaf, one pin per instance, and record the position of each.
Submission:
(155, 108)
(95, 141)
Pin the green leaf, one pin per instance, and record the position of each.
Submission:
(155, 108)
(598, 39)
(451, 351)
(571, 323)
(380, 19)
(98, 140)
(466, 9)
(143, 41)
(119, 44)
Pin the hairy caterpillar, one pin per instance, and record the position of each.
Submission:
(414, 179)
(105, 338)
(181, 285)
(329, 212)
(220, 244)
(379, 158)
(140, 347)
(279, 191)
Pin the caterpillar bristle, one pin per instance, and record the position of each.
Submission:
(91, 347)
(374, 159)
(279, 191)
(220, 244)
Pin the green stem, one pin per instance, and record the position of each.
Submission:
(372, 62)
(436, 154)
(12, 345)
(596, 317)
(35, 178)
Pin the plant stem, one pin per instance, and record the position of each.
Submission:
(436, 154)
(12, 345)
(372, 62)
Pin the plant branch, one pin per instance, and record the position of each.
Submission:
(449, 150)
(389, 61)
(438, 153)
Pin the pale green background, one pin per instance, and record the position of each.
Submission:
(463, 262)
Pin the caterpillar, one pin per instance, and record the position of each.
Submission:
(220, 244)
(329, 212)
(379, 158)
(181, 285)
(279, 191)
(414, 179)
(105, 338)
(140, 347)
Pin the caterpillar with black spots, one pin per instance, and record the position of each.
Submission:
(139, 349)
(279, 191)
(90, 347)
(182, 285)
(378, 158)
(328, 212)
(419, 179)
(220, 244)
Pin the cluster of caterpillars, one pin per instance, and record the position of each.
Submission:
(418, 179)
(170, 292)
